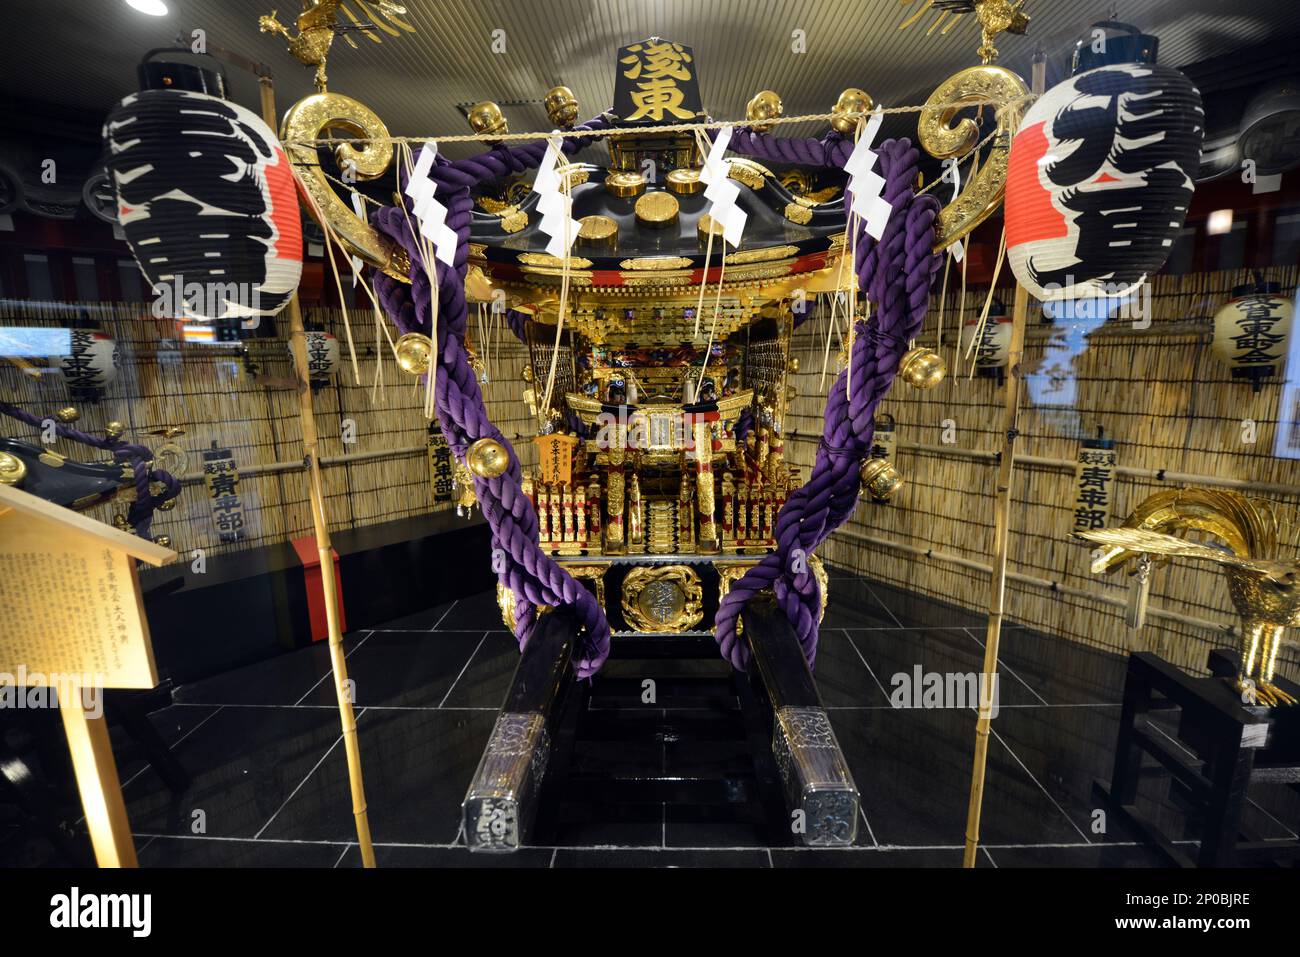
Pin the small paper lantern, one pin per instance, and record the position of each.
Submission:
(1099, 179)
(207, 202)
(1252, 330)
(993, 345)
(90, 365)
(322, 356)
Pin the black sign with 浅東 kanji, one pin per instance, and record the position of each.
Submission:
(656, 82)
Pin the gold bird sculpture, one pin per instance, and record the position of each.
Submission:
(994, 16)
(319, 23)
(1265, 589)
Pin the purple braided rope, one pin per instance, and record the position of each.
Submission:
(896, 273)
(140, 512)
(531, 574)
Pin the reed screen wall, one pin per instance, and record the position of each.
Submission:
(1159, 392)
(1169, 404)
(209, 391)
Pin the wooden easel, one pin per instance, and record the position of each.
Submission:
(71, 601)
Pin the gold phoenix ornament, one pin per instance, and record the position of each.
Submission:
(319, 24)
(1265, 590)
(994, 16)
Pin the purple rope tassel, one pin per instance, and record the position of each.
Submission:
(140, 512)
(529, 572)
(896, 273)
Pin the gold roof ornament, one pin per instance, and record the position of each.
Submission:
(657, 210)
(625, 184)
(684, 182)
(763, 107)
(561, 107)
(994, 16)
(487, 119)
(320, 22)
(851, 103)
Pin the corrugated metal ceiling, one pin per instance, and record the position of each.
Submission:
(83, 52)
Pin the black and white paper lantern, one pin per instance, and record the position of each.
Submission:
(1099, 180)
(207, 200)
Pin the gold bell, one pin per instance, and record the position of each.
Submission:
(12, 469)
(766, 105)
(120, 522)
(164, 540)
(487, 458)
(413, 352)
(851, 101)
(793, 364)
(561, 107)
(880, 479)
(922, 368)
(114, 430)
(487, 120)
(67, 415)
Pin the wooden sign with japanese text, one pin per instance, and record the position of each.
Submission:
(70, 596)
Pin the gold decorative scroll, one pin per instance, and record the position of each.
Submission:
(309, 119)
(982, 193)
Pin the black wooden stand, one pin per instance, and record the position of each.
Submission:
(1237, 744)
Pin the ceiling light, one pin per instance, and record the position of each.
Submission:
(1219, 222)
(154, 8)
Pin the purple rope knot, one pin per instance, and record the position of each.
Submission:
(896, 272)
(531, 574)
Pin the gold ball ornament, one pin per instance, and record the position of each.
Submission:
(12, 469)
(67, 415)
(487, 119)
(526, 373)
(487, 458)
(114, 430)
(793, 364)
(880, 479)
(164, 540)
(413, 353)
(851, 101)
(120, 522)
(561, 107)
(922, 368)
(765, 106)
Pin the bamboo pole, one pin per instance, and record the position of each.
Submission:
(1001, 537)
(329, 584)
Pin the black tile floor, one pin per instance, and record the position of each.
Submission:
(269, 783)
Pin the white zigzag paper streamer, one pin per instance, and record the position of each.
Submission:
(722, 193)
(429, 213)
(555, 206)
(865, 184)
